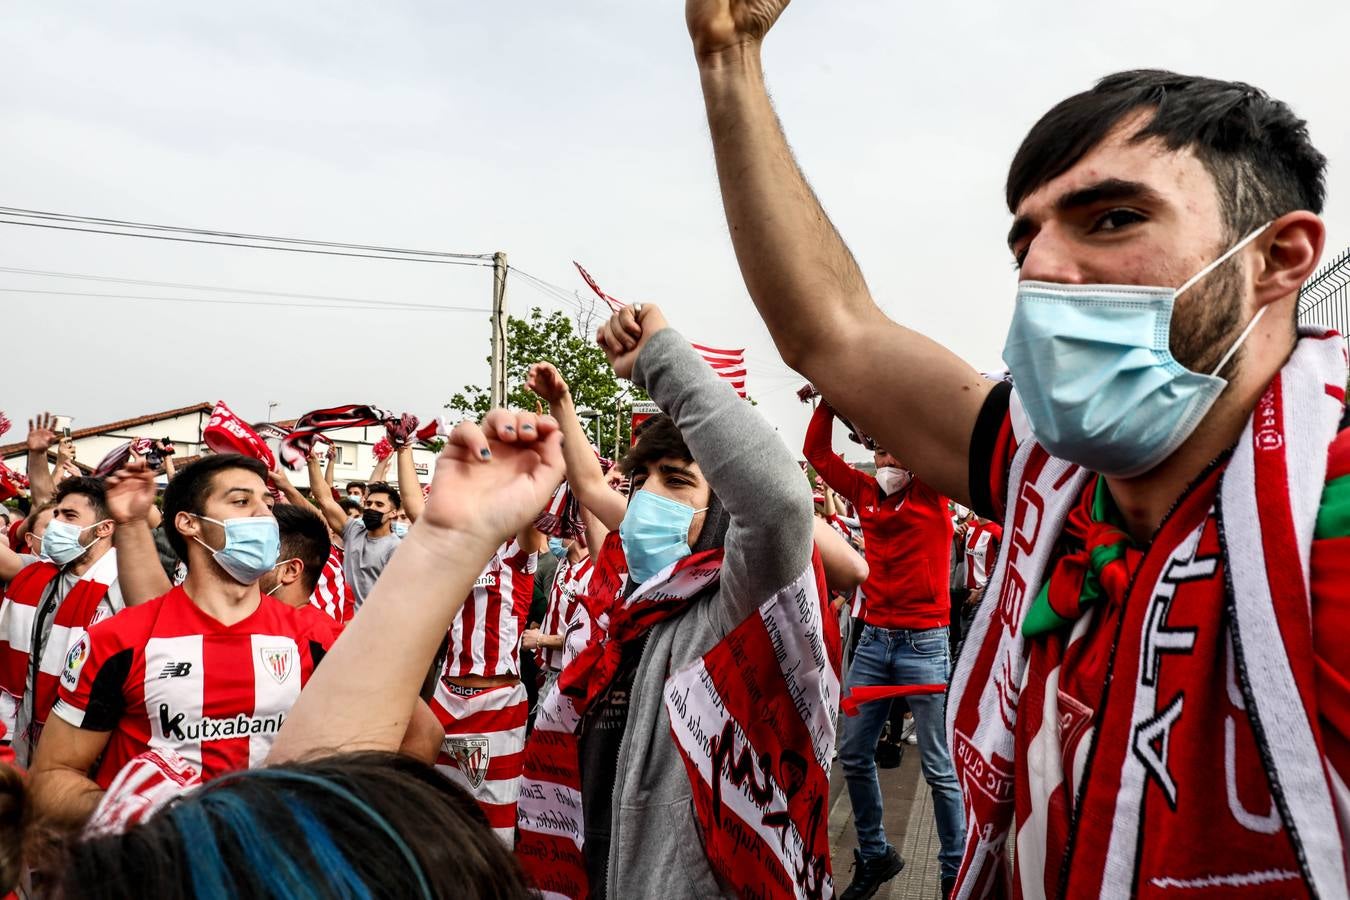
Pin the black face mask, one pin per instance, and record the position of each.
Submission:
(372, 518)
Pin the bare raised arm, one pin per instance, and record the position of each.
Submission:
(130, 499)
(409, 487)
(323, 497)
(915, 396)
(585, 477)
(489, 483)
(41, 436)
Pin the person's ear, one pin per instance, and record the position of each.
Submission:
(291, 571)
(188, 525)
(1290, 250)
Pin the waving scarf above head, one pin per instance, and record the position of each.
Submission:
(295, 446)
(227, 433)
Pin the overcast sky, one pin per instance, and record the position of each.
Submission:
(552, 131)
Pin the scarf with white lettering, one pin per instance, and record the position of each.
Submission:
(1267, 503)
(753, 719)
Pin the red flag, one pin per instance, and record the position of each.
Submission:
(614, 303)
(227, 433)
(728, 364)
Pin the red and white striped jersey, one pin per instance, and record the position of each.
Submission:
(332, 596)
(164, 675)
(981, 552)
(572, 578)
(485, 636)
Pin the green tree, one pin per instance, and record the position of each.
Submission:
(571, 347)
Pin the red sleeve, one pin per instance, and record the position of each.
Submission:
(842, 478)
(992, 448)
(93, 680)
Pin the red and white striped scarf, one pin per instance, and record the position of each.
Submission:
(143, 787)
(92, 598)
(1013, 777)
(295, 446)
(331, 595)
(753, 719)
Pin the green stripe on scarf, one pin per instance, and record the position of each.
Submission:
(1041, 617)
(1333, 517)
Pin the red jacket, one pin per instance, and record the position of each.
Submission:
(908, 538)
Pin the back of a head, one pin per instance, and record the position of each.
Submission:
(12, 794)
(304, 536)
(359, 824)
(1257, 150)
(189, 489)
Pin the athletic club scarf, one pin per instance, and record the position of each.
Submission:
(142, 788)
(1268, 499)
(227, 433)
(295, 446)
(11, 482)
(753, 719)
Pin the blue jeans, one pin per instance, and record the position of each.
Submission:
(900, 656)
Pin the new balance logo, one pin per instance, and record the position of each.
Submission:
(175, 670)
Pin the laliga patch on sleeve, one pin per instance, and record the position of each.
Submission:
(79, 652)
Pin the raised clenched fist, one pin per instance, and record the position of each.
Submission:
(717, 25)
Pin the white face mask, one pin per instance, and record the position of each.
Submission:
(893, 479)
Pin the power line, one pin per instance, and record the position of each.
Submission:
(229, 290)
(146, 226)
(379, 307)
(187, 240)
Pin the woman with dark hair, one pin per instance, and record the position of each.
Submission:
(367, 824)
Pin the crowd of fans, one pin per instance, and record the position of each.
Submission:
(1102, 594)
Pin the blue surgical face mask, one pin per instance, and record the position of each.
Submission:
(557, 547)
(1094, 373)
(61, 542)
(399, 528)
(252, 546)
(655, 533)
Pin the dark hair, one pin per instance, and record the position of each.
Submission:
(356, 484)
(86, 486)
(12, 804)
(378, 824)
(190, 487)
(349, 505)
(1256, 149)
(658, 440)
(304, 536)
(383, 487)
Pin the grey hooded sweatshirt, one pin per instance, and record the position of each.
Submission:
(656, 849)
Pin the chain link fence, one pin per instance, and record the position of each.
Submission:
(1325, 297)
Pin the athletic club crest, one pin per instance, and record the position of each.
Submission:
(277, 662)
(471, 755)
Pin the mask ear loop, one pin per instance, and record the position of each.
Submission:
(1190, 282)
(1242, 338)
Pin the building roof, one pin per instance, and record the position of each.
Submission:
(11, 449)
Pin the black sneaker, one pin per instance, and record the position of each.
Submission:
(888, 755)
(948, 885)
(871, 874)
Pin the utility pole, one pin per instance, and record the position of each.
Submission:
(498, 388)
